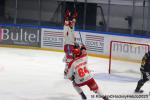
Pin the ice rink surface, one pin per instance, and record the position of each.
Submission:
(27, 74)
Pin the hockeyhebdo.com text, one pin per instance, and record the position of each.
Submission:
(125, 97)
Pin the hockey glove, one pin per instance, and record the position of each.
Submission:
(67, 14)
(75, 15)
(83, 47)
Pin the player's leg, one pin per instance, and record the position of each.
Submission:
(65, 71)
(68, 57)
(68, 50)
(68, 53)
(94, 87)
(141, 82)
(79, 90)
(101, 94)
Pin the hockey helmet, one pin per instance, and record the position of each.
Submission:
(76, 51)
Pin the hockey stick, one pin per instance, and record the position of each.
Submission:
(75, 3)
(81, 37)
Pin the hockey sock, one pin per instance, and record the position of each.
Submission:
(99, 93)
(139, 85)
(79, 90)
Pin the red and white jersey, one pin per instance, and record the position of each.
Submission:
(78, 69)
(69, 34)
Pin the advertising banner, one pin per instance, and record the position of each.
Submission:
(96, 43)
(51, 39)
(24, 36)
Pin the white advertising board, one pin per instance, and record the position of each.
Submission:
(96, 43)
(51, 38)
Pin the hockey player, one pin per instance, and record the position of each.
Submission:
(69, 36)
(80, 74)
(145, 72)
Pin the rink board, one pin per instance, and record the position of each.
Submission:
(97, 43)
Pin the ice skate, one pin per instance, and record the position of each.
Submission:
(138, 91)
(83, 96)
(105, 98)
